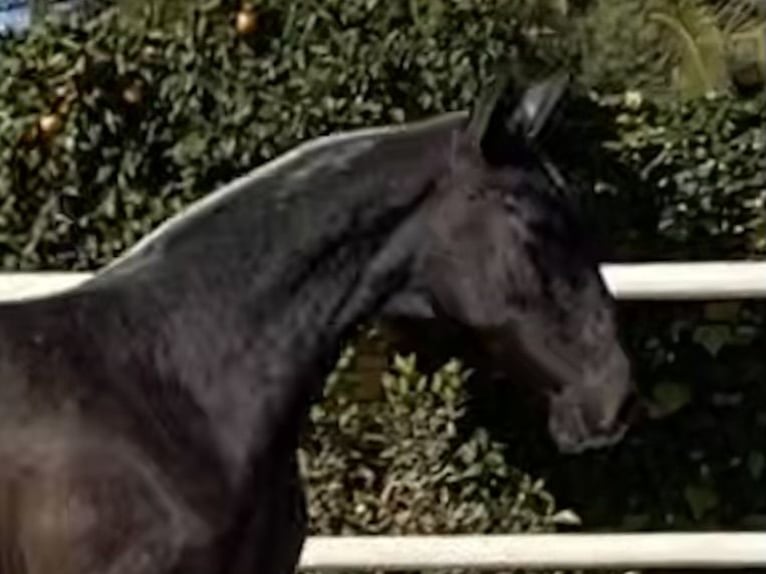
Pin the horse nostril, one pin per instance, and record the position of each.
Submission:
(632, 410)
(608, 425)
(629, 412)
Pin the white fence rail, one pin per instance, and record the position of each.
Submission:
(717, 280)
(705, 281)
(537, 551)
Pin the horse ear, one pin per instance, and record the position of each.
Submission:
(487, 132)
(538, 106)
(484, 118)
(508, 117)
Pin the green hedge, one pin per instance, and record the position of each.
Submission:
(107, 128)
(702, 167)
(401, 465)
(212, 105)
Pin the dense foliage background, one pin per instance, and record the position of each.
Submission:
(109, 125)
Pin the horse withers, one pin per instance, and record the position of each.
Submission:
(149, 418)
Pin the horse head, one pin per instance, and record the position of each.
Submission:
(510, 262)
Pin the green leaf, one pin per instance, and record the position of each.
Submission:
(713, 337)
(671, 396)
(566, 518)
(756, 464)
(701, 499)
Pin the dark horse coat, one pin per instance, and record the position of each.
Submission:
(149, 418)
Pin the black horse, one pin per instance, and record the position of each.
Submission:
(149, 418)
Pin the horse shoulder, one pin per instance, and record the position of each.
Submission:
(75, 502)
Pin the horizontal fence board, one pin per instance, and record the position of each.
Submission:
(723, 550)
(705, 281)
(19, 286)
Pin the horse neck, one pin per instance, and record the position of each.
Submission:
(254, 298)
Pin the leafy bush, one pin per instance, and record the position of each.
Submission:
(702, 192)
(400, 465)
(620, 50)
(137, 121)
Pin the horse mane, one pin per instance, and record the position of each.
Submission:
(304, 167)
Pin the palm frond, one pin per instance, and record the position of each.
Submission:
(737, 15)
(699, 43)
